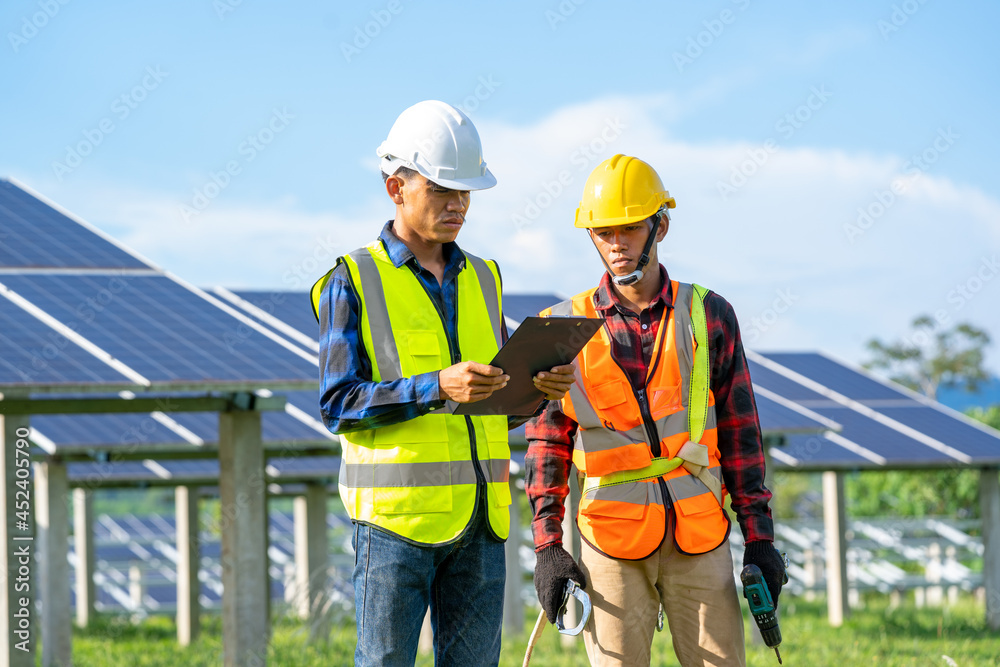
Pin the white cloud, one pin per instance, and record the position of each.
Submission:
(789, 227)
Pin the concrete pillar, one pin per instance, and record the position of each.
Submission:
(311, 559)
(52, 502)
(242, 491)
(188, 564)
(513, 607)
(425, 644)
(136, 589)
(932, 572)
(83, 545)
(895, 599)
(19, 632)
(989, 509)
(835, 521)
(811, 574)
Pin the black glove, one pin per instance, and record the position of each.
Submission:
(553, 567)
(763, 554)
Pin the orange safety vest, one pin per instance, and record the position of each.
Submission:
(622, 510)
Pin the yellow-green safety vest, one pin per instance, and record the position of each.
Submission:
(419, 479)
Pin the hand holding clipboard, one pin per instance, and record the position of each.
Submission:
(538, 345)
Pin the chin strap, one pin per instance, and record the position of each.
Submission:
(635, 276)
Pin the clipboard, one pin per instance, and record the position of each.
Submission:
(538, 344)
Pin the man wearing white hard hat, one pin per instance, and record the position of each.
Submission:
(408, 326)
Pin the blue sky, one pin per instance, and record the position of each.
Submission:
(785, 131)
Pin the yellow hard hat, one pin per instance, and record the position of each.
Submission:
(620, 191)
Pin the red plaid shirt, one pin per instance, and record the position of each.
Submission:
(633, 336)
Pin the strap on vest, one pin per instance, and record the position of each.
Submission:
(383, 340)
(490, 289)
(698, 396)
(659, 467)
(693, 455)
(318, 286)
(696, 457)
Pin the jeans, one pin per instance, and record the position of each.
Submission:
(394, 581)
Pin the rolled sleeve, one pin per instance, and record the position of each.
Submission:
(739, 435)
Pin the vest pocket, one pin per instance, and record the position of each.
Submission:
(696, 505)
(415, 500)
(621, 501)
(607, 394)
(424, 350)
(403, 481)
(500, 494)
(665, 398)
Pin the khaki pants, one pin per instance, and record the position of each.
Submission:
(699, 598)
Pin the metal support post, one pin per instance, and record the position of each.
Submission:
(835, 520)
(243, 495)
(83, 545)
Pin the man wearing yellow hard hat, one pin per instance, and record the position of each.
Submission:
(661, 426)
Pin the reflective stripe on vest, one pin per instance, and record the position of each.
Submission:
(418, 479)
(621, 513)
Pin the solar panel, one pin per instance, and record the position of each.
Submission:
(160, 329)
(519, 306)
(779, 384)
(968, 439)
(119, 471)
(297, 466)
(185, 471)
(895, 447)
(125, 431)
(206, 468)
(116, 430)
(835, 376)
(814, 451)
(37, 235)
(776, 418)
(35, 354)
(292, 308)
(275, 427)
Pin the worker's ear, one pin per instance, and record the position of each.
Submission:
(394, 188)
(664, 226)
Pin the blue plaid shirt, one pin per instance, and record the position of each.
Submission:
(349, 399)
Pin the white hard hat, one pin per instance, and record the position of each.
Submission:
(440, 143)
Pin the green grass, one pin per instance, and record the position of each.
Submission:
(875, 635)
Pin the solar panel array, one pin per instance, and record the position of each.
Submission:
(881, 424)
(292, 308)
(163, 332)
(122, 542)
(36, 234)
(79, 310)
(197, 472)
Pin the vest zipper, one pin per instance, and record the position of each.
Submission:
(647, 422)
(647, 419)
(456, 356)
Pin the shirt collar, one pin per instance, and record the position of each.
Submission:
(454, 258)
(605, 297)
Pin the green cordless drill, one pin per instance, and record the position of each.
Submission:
(762, 606)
